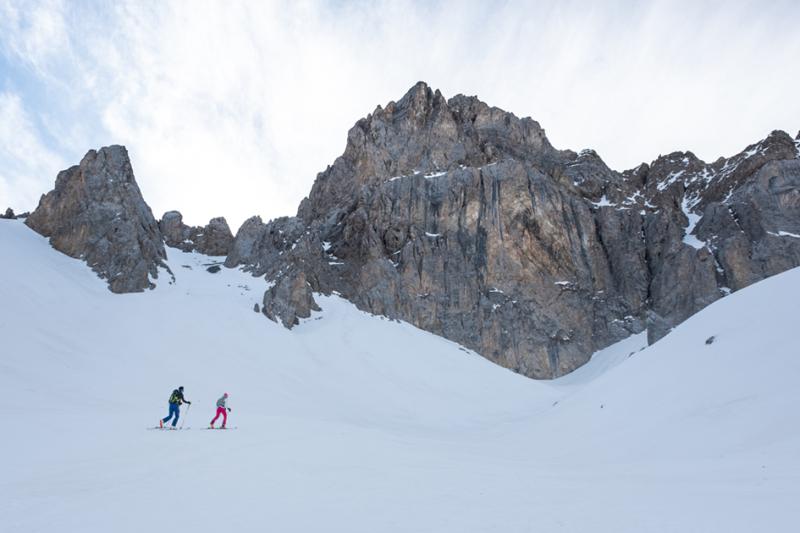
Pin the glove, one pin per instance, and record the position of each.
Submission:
(229, 409)
(190, 403)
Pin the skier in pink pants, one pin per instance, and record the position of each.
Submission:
(222, 409)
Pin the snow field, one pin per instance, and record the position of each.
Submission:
(355, 423)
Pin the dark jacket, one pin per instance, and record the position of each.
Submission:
(177, 397)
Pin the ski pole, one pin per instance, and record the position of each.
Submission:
(183, 419)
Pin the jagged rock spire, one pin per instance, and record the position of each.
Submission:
(96, 213)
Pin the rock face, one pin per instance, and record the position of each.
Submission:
(214, 239)
(96, 213)
(289, 299)
(462, 219)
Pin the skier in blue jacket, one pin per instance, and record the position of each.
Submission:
(175, 401)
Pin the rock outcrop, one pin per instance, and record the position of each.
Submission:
(96, 213)
(10, 215)
(463, 219)
(213, 239)
(289, 300)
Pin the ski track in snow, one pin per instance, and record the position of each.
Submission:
(354, 423)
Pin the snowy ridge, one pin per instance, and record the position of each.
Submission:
(361, 419)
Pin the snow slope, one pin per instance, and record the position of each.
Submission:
(355, 423)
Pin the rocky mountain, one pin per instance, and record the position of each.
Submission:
(10, 215)
(213, 239)
(96, 213)
(465, 221)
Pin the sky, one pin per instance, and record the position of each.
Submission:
(232, 108)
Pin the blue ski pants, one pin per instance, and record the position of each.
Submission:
(174, 409)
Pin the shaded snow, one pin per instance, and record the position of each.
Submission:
(689, 238)
(604, 360)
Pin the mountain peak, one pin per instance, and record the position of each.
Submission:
(96, 212)
(417, 92)
(423, 132)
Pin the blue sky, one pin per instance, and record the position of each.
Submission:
(231, 108)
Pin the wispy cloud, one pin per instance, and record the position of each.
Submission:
(232, 108)
(35, 33)
(29, 166)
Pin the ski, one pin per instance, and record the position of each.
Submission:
(223, 429)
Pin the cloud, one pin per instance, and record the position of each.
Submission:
(29, 167)
(35, 34)
(231, 109)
